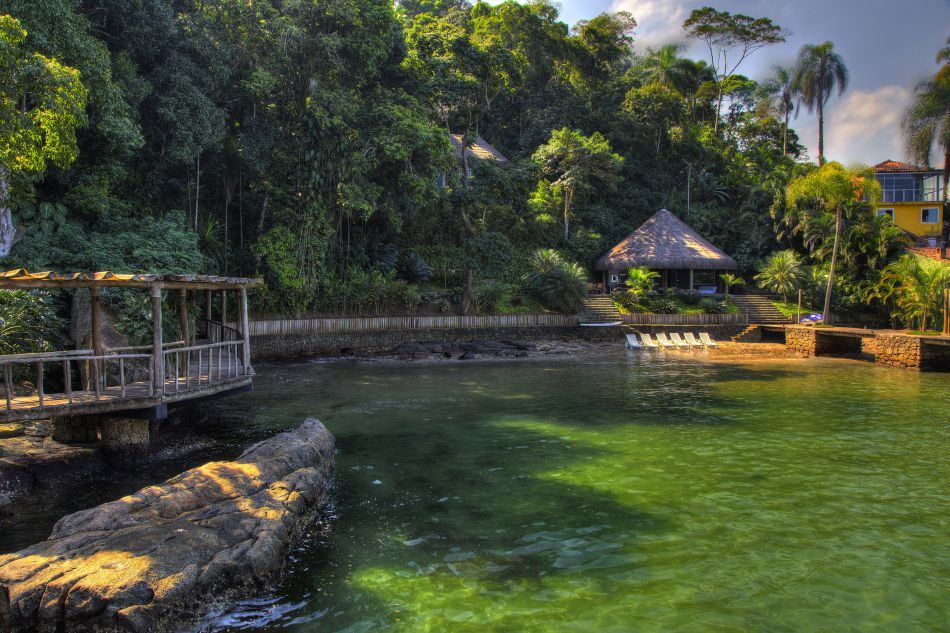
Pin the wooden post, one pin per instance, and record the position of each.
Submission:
(946, 310)
(245, 331)
(690, 278)
(224, 310)
(183, 316)
(208, 314)
(95, 331)
(799, 306)
(158, 357)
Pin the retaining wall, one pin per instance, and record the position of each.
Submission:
(286, 346)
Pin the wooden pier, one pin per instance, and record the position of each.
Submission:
(136, 382)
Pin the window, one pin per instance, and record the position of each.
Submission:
(929, 215)
(887, 212)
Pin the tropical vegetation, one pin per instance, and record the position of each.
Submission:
(308, 143)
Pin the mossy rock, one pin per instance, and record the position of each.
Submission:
(11, 430)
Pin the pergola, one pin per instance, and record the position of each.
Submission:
(209, 367)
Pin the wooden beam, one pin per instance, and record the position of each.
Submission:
(95, 331)
(246, 332)
(183, 316)
(158, 358)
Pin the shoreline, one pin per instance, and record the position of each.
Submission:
(552, 350)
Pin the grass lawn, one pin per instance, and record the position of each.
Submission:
(790, 309)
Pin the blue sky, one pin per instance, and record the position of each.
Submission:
(888, 46)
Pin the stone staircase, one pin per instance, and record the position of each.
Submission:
(599, 309)
(752, 334)
(759, 309)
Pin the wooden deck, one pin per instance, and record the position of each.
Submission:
(190, 373)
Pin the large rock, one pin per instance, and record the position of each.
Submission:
(158, 555)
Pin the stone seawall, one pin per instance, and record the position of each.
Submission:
(289, 346)
(159, 557)
(800, 342)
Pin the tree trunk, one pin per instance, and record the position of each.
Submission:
(466, 306)
(785, 136)
(946, 221)
(821, 131)
(718, 107)
(568, 194)
(831, 273)
(7, 229)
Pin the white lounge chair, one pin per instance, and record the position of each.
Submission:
(648, 342)
(665, 342)
(678, 341)
(708, 342)
(633, 343)
(692, 340)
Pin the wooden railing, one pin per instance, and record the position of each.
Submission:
(198, 365)
(96, 374)
(278, 327)
(685, 319)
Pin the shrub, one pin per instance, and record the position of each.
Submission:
(664, 305)
(714, 305)
(630, 301)
(28, 323)
(558, 285)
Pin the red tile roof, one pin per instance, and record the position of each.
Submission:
(892, 166)
(930, 253)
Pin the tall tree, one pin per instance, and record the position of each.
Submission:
(781, 93)
(730, 40)
(573, 161)
(665, 66)
(820, 71)
(42, 102)
(927, 122)
(832, 191)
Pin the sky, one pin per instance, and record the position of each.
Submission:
(888, 46)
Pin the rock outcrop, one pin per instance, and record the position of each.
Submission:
(156, 557)
(467, 349)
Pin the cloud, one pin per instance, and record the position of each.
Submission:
(658, 21)
(862, 127)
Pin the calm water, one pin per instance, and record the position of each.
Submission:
(617, 494)
(609, 493)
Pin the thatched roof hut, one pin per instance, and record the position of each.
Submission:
(480, 149)
(665, 242)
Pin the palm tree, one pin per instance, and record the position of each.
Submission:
(927, 122)
(822, 199)
(781, 99)
(782, 273)
(729, 280)
(919, 284)
(664, 66)
(641, 280)
(819, 72)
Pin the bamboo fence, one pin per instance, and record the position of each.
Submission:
(280, 327)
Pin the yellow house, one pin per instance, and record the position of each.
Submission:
(913, 197)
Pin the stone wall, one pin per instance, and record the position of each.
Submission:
(895, 350)
(290, 346)
(800, 342)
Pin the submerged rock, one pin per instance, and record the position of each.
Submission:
(162, 553)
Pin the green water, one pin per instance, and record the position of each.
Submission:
(617, 494)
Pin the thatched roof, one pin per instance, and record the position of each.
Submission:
(665, 242)
(479, 150)
(22, 278)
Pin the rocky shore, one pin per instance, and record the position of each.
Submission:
(155, 559)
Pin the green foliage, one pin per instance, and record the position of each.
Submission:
(781, 273)
(730, 280)
(915, 285)
(558, 284)
(641, 280)
(28, 323)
